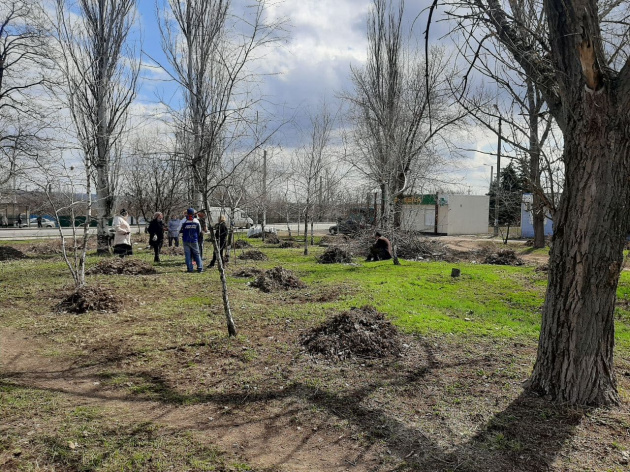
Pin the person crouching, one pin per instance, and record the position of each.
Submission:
(381, 250)
(191, 232)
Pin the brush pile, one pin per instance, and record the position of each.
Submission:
(358, 333)
(277, 279)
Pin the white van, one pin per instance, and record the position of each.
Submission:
(241, 220)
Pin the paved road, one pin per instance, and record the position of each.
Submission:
(53, 233)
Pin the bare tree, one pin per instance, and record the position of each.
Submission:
(210, 52)
(310, 162)
(400, 107)
(25, 68)
(519, 103)
(154, 177)
(100, 73)
(580, 65)
(68, 192)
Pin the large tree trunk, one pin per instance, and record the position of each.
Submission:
(104, 206)
(575, 351)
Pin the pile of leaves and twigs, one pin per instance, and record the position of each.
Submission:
(357, 333)
(248, 272)
(328, 239)
(253, 255)
(267, 234)
(412, 247)
(124, 266)
(288, 244)
(241, 244)
(277, 279)
(89, 298)
(542, 268)
(503, 257)
(409, 246)
(335, 255)
(272, 238)
(8, 253)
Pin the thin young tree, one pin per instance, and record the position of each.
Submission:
(101, 72)
(68, 191)
(311, 160)
(210, 52)
(580, 64)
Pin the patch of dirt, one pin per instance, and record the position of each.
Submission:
(358, 333)
(542, 268)
(288, 244)
(503, 257)
(249, 272)
(335, 255)
(172, 250)
(277, 279)
(253, 255)
(241, 244)
(123, 266)
(8, 253)
(90, 298)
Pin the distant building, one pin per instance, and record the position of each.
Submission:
(445, 214)
(527, 218)
(12, 205)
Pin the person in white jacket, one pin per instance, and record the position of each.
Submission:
(122, 235)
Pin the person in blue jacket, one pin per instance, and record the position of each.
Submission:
(191, 232)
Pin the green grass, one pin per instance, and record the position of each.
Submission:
(173, 323)
(421, 297)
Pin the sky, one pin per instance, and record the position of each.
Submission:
(325, 39)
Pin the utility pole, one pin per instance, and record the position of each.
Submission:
(264, 202)
(498, 183)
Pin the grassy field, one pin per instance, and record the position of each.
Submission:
(158, 385)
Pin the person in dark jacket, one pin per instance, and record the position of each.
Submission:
(156, 235)
(201, 216)
(381, 250)
(221, 234)
(191, 231)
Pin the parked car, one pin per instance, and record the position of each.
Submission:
(346, 227)
(46, 223)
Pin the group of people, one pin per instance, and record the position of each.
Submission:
(191, 228)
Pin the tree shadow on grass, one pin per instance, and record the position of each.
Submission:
(525, 436)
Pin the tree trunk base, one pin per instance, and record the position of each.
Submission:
(603, 397)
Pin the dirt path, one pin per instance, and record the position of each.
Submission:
(265, 436)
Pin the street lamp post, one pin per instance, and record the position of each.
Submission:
(498, 181)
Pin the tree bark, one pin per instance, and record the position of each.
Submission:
(104, 207)
(575, 351)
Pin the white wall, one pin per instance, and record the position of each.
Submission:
(418, 218)
(468, 214)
